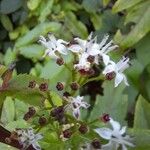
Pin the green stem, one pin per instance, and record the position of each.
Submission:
(50, 99)
(94, 121)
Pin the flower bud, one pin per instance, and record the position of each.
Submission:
(60, 61)
(27, 116)
(67, 133)
(96, 144)
(74, 86)
(32, 111)
(42, 120)
(43, 87)
(105, 118)
(83, 129)
(60, 86)
(90, 58)
(110, 75)
(32, 84)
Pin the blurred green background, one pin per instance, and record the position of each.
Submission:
(126, 21)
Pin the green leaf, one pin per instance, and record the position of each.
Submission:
(18, 88)
(40, 29)
(145, 83)
(134, 72)
(137, 32)
(6, 147)
(2, 69)
(32, 5)
(134, 13)
(114, 102)
(91, 6)
(20, 109)
(8, 111)
(143, 50)
(32, 51)
(142, 114)
(106, 2)
(46, 11)
(96, 20)
(124, 4)
(9, 6)
(17, 124)
(77, 27)
(6, 22)
(51, 141)
(141, 139)
(9, 56)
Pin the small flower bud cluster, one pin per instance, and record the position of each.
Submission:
(42, 87)
(58, 114)
(31, 112)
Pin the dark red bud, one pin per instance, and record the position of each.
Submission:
(67, 133)
(74, 86)
(60, 86)
(105, 118)
(60, 61)
(96, 144)
(42, 121)
(83, 129)
(32, 84)
(43, 87)
(110, 75)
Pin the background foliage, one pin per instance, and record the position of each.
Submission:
(127, 21)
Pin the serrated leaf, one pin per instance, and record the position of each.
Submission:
(114, 102)
(142, 114)
(18, 88)
(40, 29)
(8, 111)
(7, 6)
(124, 4)
(32, 51)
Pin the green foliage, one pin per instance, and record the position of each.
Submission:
(114, 102)
(18, 88)
(142, 114)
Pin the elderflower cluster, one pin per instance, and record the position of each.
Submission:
(89, 53)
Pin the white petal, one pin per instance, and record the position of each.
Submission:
(119, 77)
(76, 113)
(109, 68)
(106, 59)
(36, 146)
(52, 38)
(52, 55)
(116, 125)
(75, 48)
(124, 147)
(125, 80)
(62, 49)
(105, 133)
(123, 130)
(94, 50)
(81, 42)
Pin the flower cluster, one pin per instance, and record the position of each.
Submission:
(74, 104)
(89, 53)
(116, 136)
(26, 137)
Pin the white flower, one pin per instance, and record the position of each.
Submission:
(104, 48)
(118, 70)
(116, 136)
(53, 46)
(27, 138)
(75, 104)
